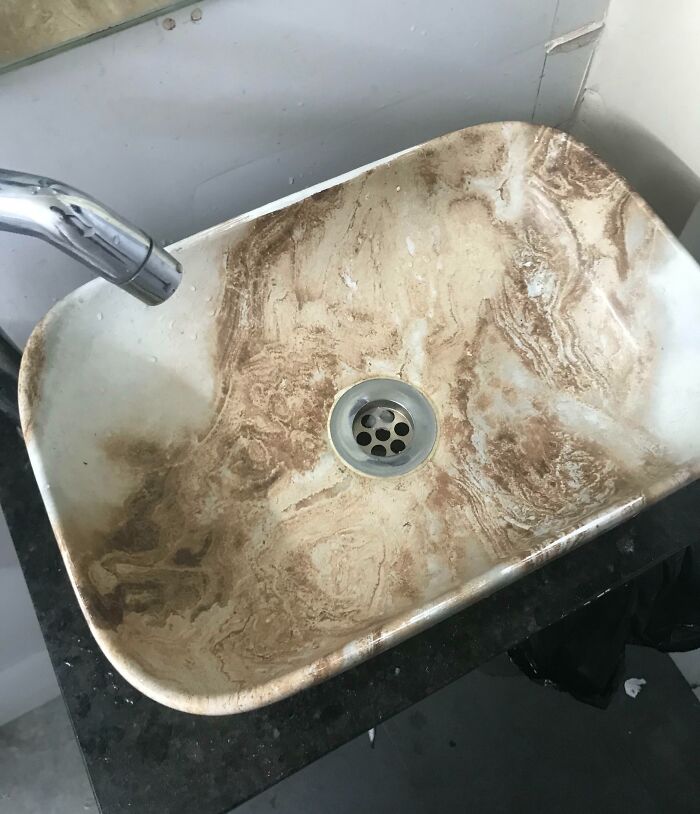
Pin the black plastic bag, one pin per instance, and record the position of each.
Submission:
(584, 654)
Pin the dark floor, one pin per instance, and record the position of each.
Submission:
(492, 742)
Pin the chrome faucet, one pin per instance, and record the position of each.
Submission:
(88, 231)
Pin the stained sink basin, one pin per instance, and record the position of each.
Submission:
(227, 548)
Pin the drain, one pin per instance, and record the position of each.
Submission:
(382, 427)
(385, 425)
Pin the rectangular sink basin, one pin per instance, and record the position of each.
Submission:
(225, 549)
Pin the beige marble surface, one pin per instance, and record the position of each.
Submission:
(223, 555)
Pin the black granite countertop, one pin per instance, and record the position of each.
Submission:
(144, 757)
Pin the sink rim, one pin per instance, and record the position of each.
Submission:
(390, 632)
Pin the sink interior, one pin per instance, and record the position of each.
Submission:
(224, 553)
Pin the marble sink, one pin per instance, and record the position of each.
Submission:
(223, 553)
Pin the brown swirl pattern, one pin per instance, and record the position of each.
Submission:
(494, 269)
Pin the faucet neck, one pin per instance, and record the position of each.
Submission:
(88, 231)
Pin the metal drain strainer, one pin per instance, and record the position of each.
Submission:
(382, 427)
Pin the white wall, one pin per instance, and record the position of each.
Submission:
(640, 107)
(647, 69)
(182, 129)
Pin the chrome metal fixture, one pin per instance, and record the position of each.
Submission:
(88, 231)
(382, 427)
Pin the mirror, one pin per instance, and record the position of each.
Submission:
(32, 29)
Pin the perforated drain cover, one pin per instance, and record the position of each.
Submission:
(382, 427)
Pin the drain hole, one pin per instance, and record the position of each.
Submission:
(382, 427)
(373, 424)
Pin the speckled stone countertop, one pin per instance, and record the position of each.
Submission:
(144, 757)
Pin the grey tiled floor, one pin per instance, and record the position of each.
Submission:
(492, 742)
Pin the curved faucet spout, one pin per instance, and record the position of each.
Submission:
(87, 230)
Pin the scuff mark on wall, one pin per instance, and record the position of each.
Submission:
(578, 38)
(567, 59)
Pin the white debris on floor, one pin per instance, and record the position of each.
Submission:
(371, 733)
(633, 686)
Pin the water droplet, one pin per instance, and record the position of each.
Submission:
(36, 190)
(413, 28)
(115, 240)
(398, 189)
(99, 314)
(153, 359)
(300, 103)
(209, 298)
(291, 179)
(193, 288)
(171, 323)
(211, 313)
(89, 232)
(195, 335)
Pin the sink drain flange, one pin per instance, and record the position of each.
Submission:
(382, 427)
